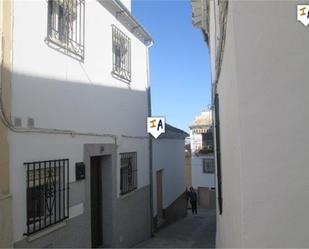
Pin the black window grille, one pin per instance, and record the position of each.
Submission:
(128, 172)
(207, 138)
(208, 166)
(218, 153)
(66, 26)
(47, 193)
(121, 55)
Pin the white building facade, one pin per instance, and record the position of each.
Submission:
(202, 157)
(79, 151)
(259, 63)
(169, 187)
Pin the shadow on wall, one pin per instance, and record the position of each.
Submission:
(81, 107)
(174, 212)
(63, 104)
(177, 210)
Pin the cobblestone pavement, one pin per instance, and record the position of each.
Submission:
(194, 231)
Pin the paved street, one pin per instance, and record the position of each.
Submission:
(194, 231)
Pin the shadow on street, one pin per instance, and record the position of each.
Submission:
(193, 231)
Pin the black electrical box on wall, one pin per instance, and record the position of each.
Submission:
(79, 171)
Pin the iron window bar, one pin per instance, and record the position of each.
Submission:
(47, 194)
(208, 166)
(121, 55)
(66, 26)
(128, 172)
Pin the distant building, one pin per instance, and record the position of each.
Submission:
(202, 157)
(169, 196)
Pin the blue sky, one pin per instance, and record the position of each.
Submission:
(179, 60)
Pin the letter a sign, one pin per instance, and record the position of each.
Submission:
(156, 126)
(303, 14)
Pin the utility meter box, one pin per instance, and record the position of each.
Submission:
(80, 171)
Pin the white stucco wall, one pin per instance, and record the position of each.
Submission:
(273, 91)
(229, 223)
(200, 179)
(60, 92)
(196, 141)
(263, 115)
(169, 155)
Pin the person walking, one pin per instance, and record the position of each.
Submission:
(193, 200)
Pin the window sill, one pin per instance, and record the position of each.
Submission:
(47, 231)
(124, 196)
(4, 197)
(121, 78)
(62, 47)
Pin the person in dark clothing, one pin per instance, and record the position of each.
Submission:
(193, 200)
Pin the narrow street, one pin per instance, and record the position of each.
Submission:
(194, 231)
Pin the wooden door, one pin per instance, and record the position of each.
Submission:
(96, 202)
(159, 194)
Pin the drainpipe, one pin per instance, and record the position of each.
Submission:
(150, 141)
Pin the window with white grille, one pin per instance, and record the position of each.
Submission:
(66, 24)
(121, 55)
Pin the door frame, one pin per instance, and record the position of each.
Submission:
(92, 150)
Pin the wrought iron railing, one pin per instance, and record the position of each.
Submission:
(128, 172)
(66, 26)
(47, 193)
(121, 55)
(208, 166)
